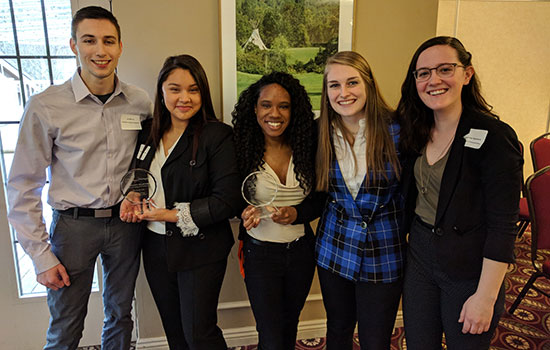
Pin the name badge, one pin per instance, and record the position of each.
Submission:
(475, 138)
(130, 122)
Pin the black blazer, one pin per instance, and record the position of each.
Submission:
(479, 196)
(211, 184)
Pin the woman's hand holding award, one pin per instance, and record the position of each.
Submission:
(259, 189)
(138, 187)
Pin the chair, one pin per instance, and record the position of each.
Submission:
(540, 151)
(523, 218)
(538, 199)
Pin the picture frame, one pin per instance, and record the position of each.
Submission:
(228, 47)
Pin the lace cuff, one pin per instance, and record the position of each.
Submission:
(185, 221)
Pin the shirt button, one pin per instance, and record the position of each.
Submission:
(363, 224)
(169, 233)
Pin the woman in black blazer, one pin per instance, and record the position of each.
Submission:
(188, 237)
(462, 180)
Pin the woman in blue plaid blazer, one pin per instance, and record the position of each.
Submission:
(359, 251)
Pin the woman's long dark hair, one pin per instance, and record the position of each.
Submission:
(300, 134)
(161, 115)
(415, 117)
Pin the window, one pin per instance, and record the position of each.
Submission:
(34, 54)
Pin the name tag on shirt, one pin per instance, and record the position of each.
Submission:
(130, 122)
(475, 138)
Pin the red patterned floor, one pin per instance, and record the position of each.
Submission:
(527, 329)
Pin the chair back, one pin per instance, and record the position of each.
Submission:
(540, 151)
(538, 199)
(522, 150)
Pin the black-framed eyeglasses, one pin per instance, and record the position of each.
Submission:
(444, 70)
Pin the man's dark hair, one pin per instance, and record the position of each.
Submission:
(92, 12)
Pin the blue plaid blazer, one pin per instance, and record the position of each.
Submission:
(359, 238)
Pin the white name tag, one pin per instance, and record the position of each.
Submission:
(130, 122)
(475, 138)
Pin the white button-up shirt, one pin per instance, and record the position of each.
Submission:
(353, 173)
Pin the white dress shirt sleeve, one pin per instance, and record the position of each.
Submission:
(33, 154)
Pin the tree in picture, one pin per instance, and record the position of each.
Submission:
(292, 36)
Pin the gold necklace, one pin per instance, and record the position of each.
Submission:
(424, 186)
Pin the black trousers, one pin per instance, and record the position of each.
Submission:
(373, 306)
(187, 300)
(432, 301)
(278, 280)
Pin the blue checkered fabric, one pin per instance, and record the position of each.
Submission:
(359, 238)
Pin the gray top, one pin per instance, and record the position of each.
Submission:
(84, 145)
(428, 181)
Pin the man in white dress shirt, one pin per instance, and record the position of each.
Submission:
(83, 134)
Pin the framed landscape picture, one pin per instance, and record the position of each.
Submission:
(292, 36)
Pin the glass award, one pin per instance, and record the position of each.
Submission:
(259, 189)
(138, 186)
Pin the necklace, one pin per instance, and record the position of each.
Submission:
(424, 185)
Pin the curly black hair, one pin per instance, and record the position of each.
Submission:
(300, 135)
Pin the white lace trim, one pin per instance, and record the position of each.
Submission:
(185, 221)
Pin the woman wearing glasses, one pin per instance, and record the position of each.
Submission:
(462, 183)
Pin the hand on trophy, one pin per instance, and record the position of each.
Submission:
(131, 207)
(251, 217)
(285, 215)
(137, 187)
(151, 212)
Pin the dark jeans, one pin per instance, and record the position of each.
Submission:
(278, 280)
(187, 300)
(432, 301)
(77, 244)
(372, 305)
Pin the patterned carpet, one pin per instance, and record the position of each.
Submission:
(527, 329)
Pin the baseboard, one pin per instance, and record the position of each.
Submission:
(248, 335)
(241, 336)
(159, 343)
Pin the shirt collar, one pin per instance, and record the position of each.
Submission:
(361, 131)
(81, 90)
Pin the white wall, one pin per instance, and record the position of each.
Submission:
(510, 43)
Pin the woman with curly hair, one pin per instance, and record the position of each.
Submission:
(274, 132)
(360, 252)
(462, 180)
